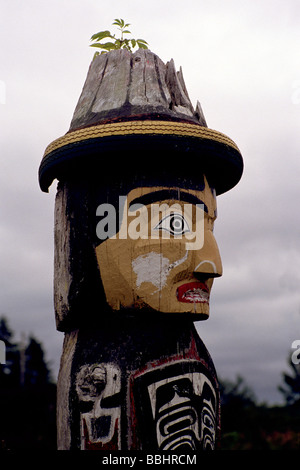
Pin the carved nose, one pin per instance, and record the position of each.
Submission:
(208, 260)
(208, 268)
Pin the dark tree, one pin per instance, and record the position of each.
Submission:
(291, 387)
(5, 332)
(27, 397)
(236, 393)
(36, 369)
(10, 371)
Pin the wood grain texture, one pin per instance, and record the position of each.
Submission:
(63, 389)
(77, 283)
(62, 268)
(121, 84)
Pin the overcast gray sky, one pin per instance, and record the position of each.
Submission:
(240, 59)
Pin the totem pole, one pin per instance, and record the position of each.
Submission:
(135, 258)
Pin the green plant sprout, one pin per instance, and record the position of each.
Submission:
(119, 43)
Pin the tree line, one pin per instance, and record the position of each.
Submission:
(27, 395)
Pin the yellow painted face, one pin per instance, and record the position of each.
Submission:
(164, 256)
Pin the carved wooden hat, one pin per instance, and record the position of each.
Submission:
(134, 120)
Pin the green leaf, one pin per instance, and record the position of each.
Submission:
(119, 22)
(142, 44)
(119, 43)
(108, 45)
(101, 35)
(96, 45)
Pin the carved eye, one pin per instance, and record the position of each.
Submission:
(174, 223)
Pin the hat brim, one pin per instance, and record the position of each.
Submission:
(157, 151)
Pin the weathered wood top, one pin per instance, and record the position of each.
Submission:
(121, 85)
(123, 90)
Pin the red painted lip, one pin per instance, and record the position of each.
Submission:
(193, 292)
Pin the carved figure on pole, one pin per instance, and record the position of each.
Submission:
(139, 174)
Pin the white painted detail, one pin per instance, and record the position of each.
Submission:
(154, 268)
(206, 261)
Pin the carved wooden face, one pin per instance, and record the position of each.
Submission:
(164, 256)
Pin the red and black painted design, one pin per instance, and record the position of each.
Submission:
(150, 389)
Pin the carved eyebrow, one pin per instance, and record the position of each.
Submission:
(164, 194)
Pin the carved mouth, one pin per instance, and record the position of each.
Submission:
(193, 292)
